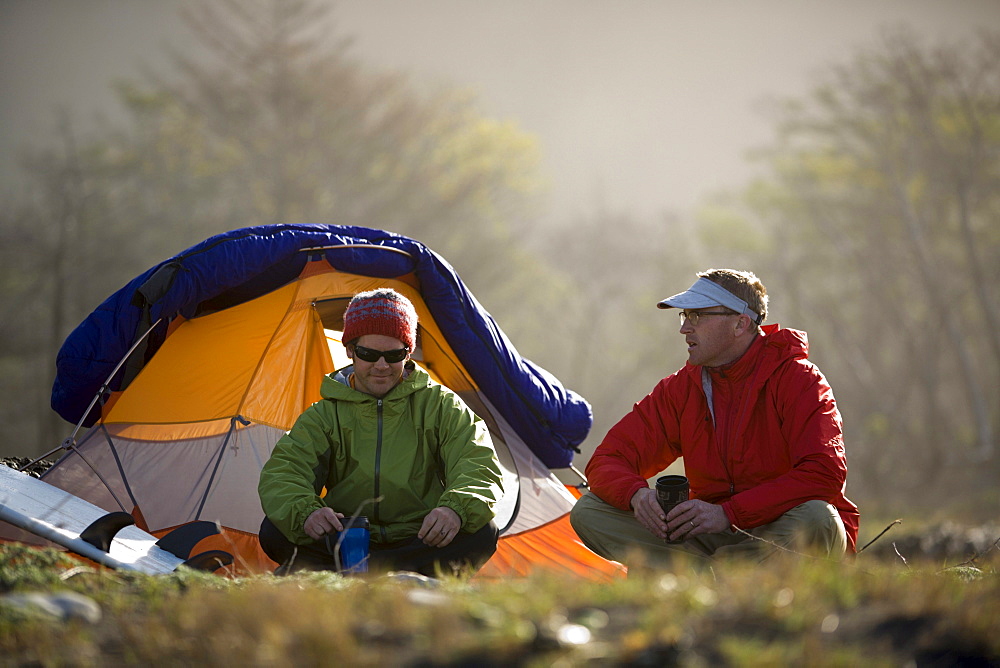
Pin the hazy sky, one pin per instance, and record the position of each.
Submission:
(642, 105)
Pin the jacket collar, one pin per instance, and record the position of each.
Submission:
(338, 385)
(742, 366)
(766, 352)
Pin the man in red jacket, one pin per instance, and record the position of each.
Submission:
(759, 431)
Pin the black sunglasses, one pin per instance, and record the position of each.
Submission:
(372, 355)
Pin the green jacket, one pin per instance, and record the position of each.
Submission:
(392, 459)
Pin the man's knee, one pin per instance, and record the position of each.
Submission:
(481, 545)
(273, 542)
(818, 515)
(578, 514)
(585, 514)
(596, 523)
(819, 525)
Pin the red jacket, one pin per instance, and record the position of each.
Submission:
(777, 440)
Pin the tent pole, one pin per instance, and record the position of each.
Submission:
(313, 249)
(70, 442)
(583, 478)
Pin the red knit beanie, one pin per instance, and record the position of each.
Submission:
(383, 311)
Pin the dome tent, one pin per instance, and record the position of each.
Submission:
(229, 341)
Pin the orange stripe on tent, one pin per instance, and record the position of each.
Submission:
(554, 547)
(248, 557)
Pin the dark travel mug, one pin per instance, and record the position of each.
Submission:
(670, 491)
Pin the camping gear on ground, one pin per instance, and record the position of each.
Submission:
(189, 374)
(109, 538)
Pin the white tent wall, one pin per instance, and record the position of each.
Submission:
(212, 478)
(540, 496)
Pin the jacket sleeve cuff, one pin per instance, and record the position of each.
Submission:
(628, 499)
(463, 516)
(727, 507)
(301, 513)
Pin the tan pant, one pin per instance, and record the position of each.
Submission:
(814, 527)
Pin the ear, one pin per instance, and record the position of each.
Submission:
(350, 352)
(743, 323)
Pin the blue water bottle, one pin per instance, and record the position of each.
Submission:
(351, 544)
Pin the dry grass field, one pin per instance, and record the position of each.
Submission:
(790, 610)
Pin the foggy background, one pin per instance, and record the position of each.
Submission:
(642, 106)
(609, 149)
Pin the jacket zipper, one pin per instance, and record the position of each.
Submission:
(378, 470)
(720, 433)
(725, 449)
(730, 439)
(706, 386)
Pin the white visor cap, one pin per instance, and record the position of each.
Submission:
(705, 294)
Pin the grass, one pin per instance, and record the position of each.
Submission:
(790, 611)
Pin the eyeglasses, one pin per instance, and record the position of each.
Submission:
(694, 316)
(372, 355)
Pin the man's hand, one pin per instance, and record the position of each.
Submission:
(694, 517)
(440, 527)
(649, 513)
(322, 522)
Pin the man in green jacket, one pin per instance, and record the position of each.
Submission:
(389, 443)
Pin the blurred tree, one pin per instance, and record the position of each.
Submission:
(21, 342)
(276, 122)
(882, 200)
(616, 345)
